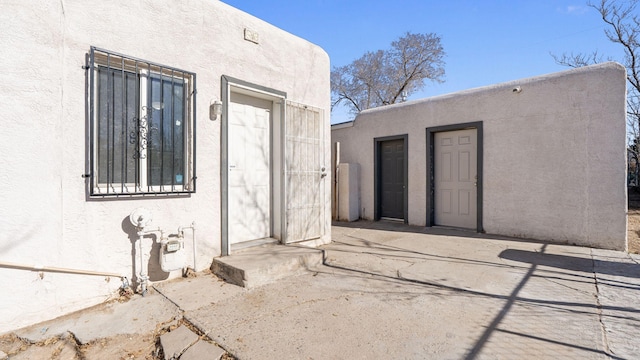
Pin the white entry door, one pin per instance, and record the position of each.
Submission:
(249, 172)
(455, 176)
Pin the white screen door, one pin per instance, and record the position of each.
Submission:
(305, 173)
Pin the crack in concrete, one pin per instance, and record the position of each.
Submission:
(564, 285)
(77, 345)
(603, 328)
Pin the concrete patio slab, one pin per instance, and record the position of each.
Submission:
(193, 293)
(392, 289)
(135, 316)
(618, 279)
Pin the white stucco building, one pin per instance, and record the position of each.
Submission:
(207, 117)
(541, 158)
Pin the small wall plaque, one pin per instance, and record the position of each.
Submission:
(251, 35)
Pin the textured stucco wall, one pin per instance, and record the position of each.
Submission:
(554, 154)
(45, 217)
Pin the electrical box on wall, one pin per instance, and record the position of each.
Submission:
(172, 254)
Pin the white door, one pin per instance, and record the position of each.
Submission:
(305, 173)
(455, 177)
(249, 161)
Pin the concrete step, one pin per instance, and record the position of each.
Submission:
(265, 264)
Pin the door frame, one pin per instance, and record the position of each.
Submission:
(430, 131)
(227, 86)
(377, 177)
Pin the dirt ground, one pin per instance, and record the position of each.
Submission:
(634, 230)
(121, 347)
(633, 221)
(65, 347)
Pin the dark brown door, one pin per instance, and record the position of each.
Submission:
(392, 174)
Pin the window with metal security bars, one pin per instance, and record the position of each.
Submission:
(142, 126)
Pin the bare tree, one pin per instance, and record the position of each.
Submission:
(579, 60)
(624, 29)
(383, 77)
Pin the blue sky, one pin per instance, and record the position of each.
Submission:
(486, 42)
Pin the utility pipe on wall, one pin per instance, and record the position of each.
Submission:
(144, 260)
(193, 238)
(61, 270)
(336, 181)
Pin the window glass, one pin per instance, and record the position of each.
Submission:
(117, 126)
(166, 135)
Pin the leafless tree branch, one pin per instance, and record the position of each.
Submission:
(624, 29)
(379, 78)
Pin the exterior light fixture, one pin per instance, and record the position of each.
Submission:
(215, 110)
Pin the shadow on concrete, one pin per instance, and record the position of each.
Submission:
(532, 259)
(390, 225)
(572, 263)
